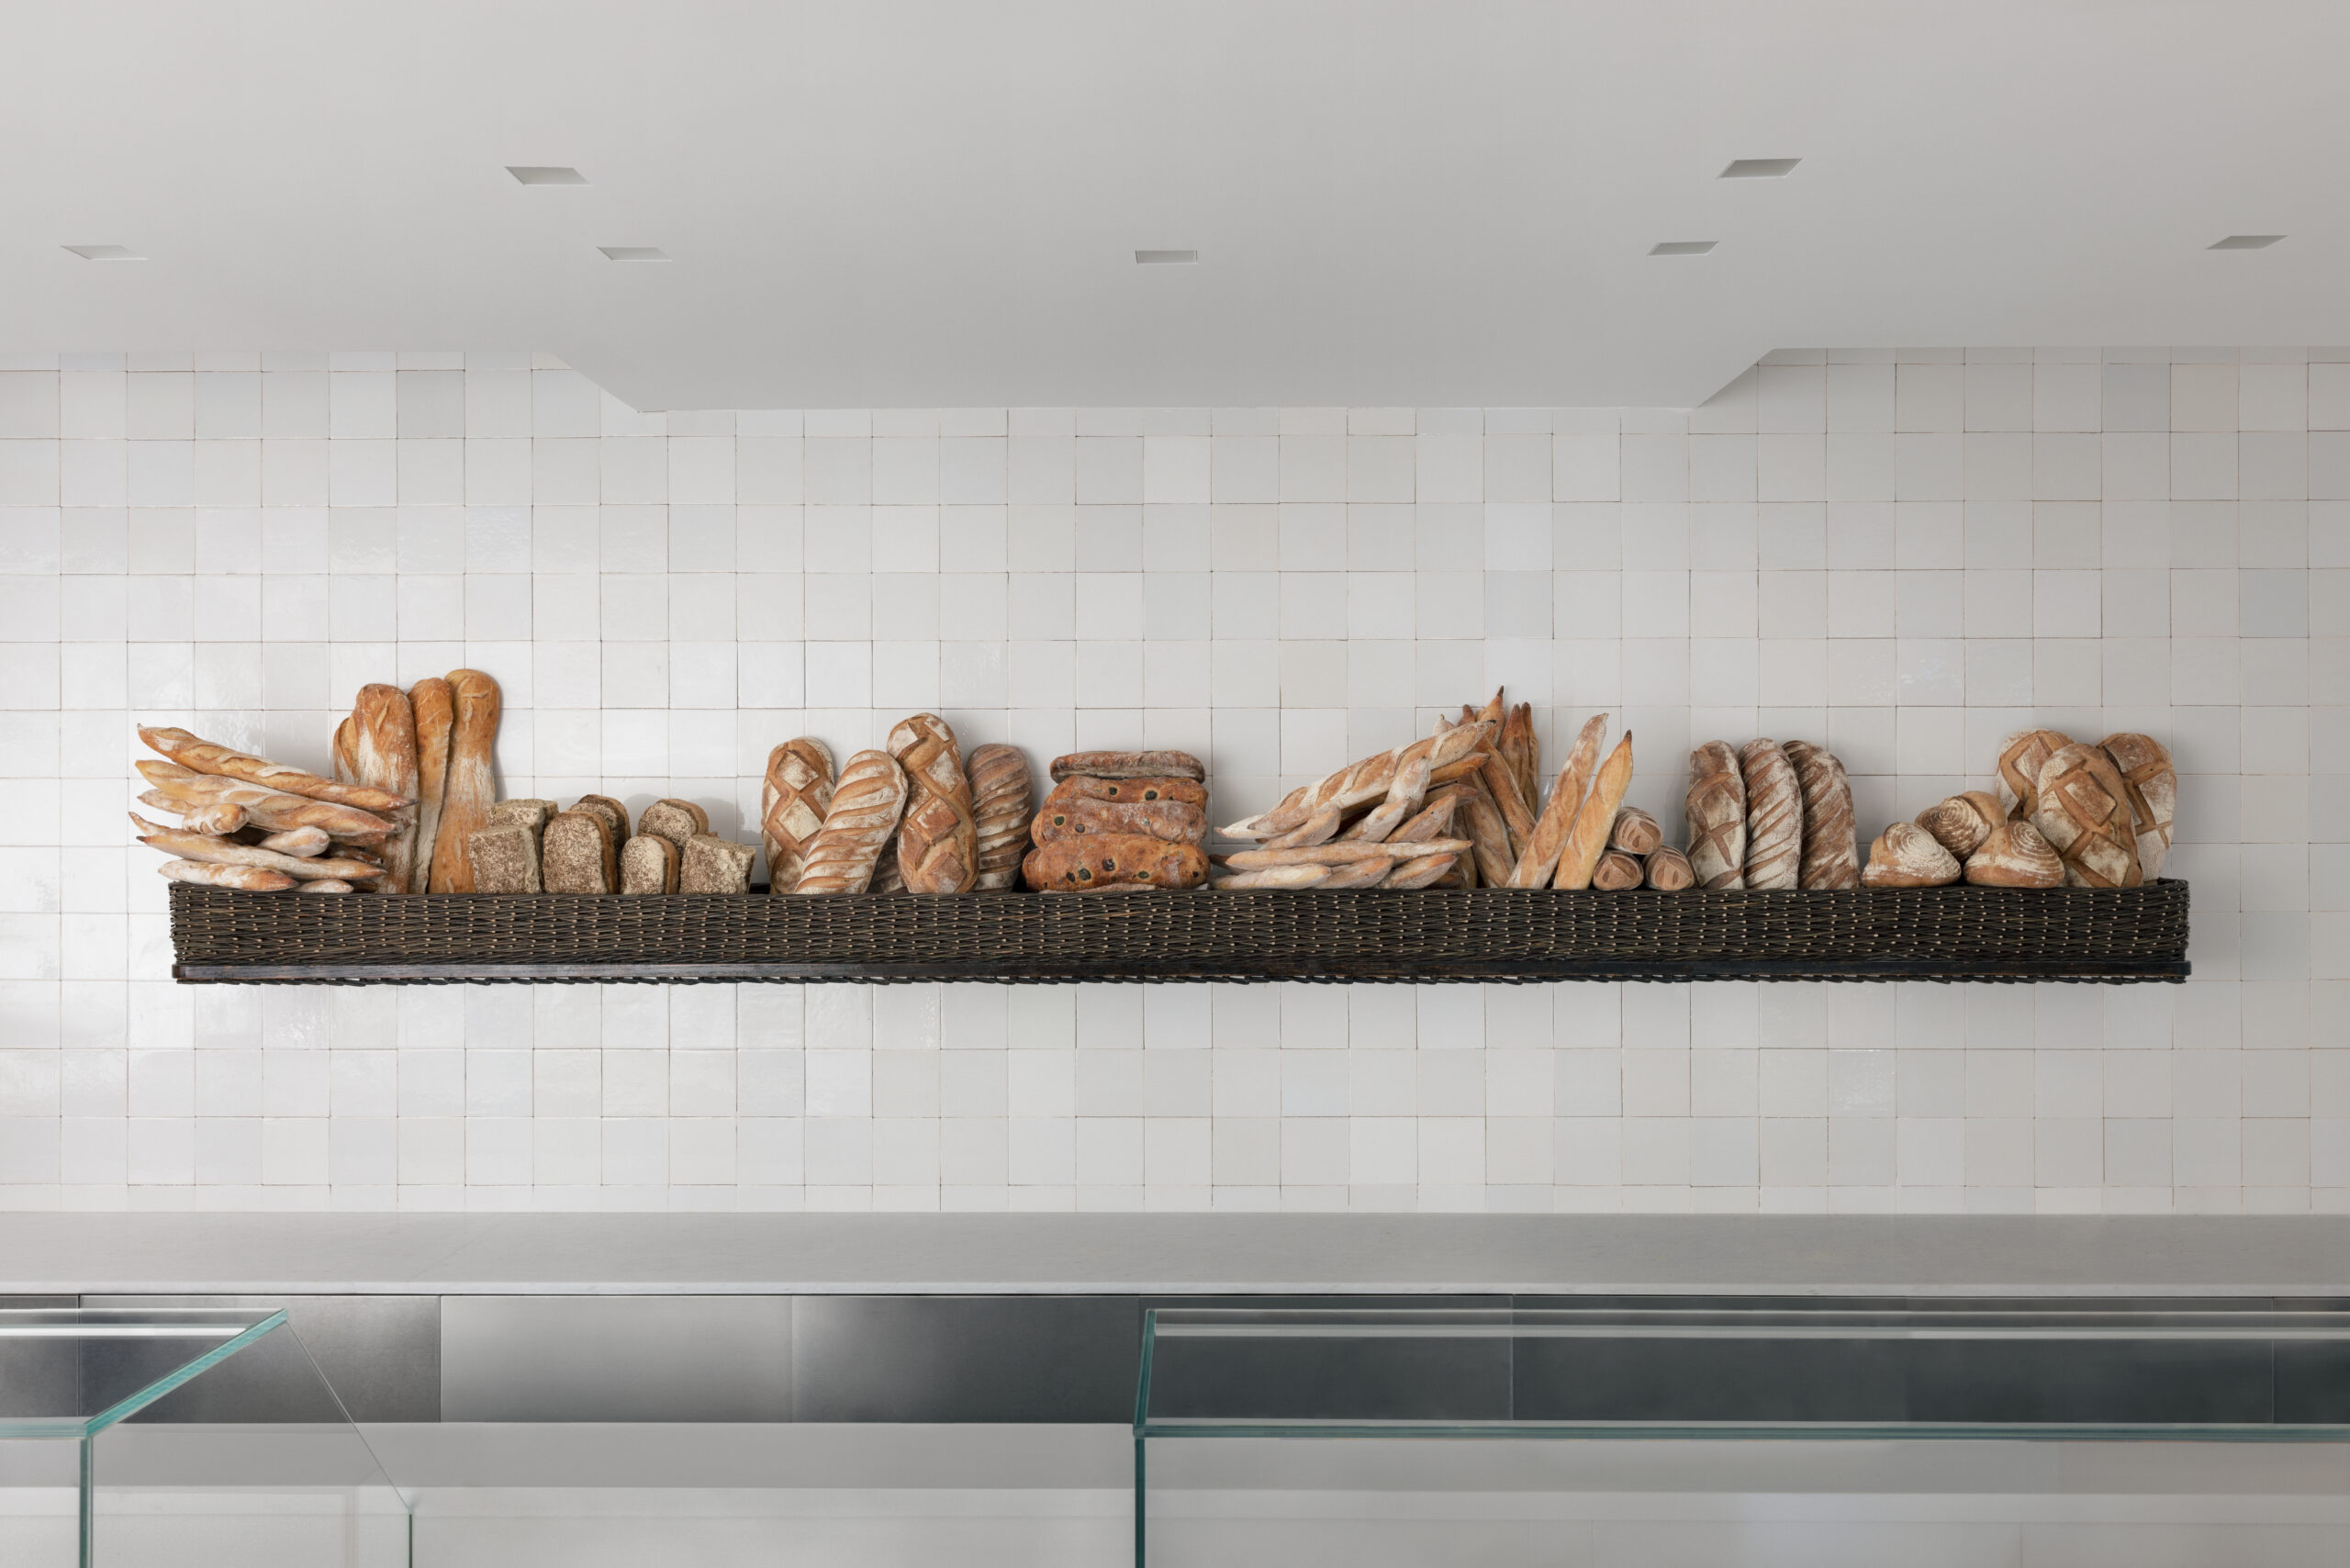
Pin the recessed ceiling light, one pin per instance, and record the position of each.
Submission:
(1683, 248)
(106, 252)
(1167, 258)
(2247, 242)
(633, 252)
(1759, 169)
(545, 174)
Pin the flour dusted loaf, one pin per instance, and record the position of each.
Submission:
(1717, 806)
(1537, 862)
(471, 788)
(1963, 822)
(2083, 811)
(2022, 757)
(798, 792)
(1831, 860)
(1906, 856)
(2014, 854)
(1773, 817)
(433, 702)
(864, 814)
(1002, 793)
(2151, 783)
(1361, 783)
(207, 874)
(1636, 833)
(1587, 840)
(201, 846)
(648, 865)
(200, 756)
(264, 807)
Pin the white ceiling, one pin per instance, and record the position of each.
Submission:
(876, 203)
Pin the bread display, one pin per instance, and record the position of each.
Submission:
(2082, 808)
(2151, 786)
(1717, 807)
(2022, 757)
(576, 855)
(714, 865)
(1178, 791)
(2014, 854)
(864, 814)
(1773, 816)
(1002, 794)
(1831, 860)
(1961, 822)
(472, 784)
(434, 703)
(793, 804)
(648, 865)
(1128, 765)
(1105, 806)
(1906, 856)
(938, 841)
(1538, 861)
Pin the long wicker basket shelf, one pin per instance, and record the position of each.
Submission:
(1484, 934)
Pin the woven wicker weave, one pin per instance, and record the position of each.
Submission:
(1958, 932)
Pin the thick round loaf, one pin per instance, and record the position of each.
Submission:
(676, 821)
(1128, 765)
(1184, 791)
(2022, 757)
(1773, 817)
(1717, 807)
(1073, 865)
(262, 806)
(222, 852)
(1961, 822)
(1831, 858)
(2014, 854)
(1906, 856)
(434, 702)
(866, 806)
(938, 840)
(793, 804)
(472, 787)
(2083, 811)
(1153, 819)
(385, 734)
(1419, 872)
(2153, 786)
(1002, 791)
(1617, 872)
(194, 753)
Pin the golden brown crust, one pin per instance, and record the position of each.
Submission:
(199, 754)
(2083, 811)
(2152, 783)
(2015, 856)
(472, 787)
(1155, 819)
(384, 741)
(245, 878)
(1716, 808)
(1587, 840)
(938, 839)
(1617, 872)
(1961, 822)
(1002, 789)
(264, 807)
(434, 703)
(1636, 833)
(797, 794)
(1773, 816)
(1182, 791)
(1079, 863)
(1831, 858)
(866, 806)
(2022, 757)
(1538, 861)
(1906, 856)
(1669, 871)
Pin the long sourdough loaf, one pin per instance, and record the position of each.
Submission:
(1587, 840)
(384, 730)
(1831, 858)
(435, 706)
(472, 787)
(1002, 791)
(938, 839)
(1128, 765)
(1538, 861)
(792, 803)
(1717, 807)
(1773, 816)
(200, 756)
(864, 814)
(264, 807)
(2152, 785)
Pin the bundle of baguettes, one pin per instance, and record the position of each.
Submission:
(1120, 820)
(2066, 814)
(254, 825)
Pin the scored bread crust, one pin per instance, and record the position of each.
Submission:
(938, 840)
(434, 703)
(472, 787)
(385, 750)
(2152, 782)
(1587, 840)
(1831, 858)
(200, 756)
(793, 804)
(866, 806)
(1538, 861)
(1716, 808)
(1001, 792)
(2014, 854)
(1906, 856)
(1773, 816)
(2084, 814)
(264, 807)
(2022, 757)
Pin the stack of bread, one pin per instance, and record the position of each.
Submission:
(1120, 820)
(1771, 817)
(2066, 814)
(534, 847)
(1460, 808)
(912, 819)
(261, 826)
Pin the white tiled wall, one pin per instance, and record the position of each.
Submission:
(1906, 556)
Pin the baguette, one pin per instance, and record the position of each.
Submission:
(2151, 784)
(1128, 765)
(471, 786)
(1434, 819)
(504, 858)
(576, 855)
(1365, 781)
(648, 865)
(2083, 811)
(262, 806)
(345, 752)
(1906, 856)
(1482, 825)
(2022, 757)
(1587, 840)
(793, 804)
(1421, 872)
(1002, 789)
(1961, 822)
(1538, 861)
(384, 736)
(325, 885)
(863, 814)
(221, 852)
(209, 874)
(1358, 874)
(1319, 828)
(305, 842)
(1403, 800)
(1773, 816)
(676, 821)
(1337, 854)
(218, 820)
(435, 705)
(2014, 854)
(1636, 833)
(201, 755)
(1716, 804)
(1669, 871)
(714, 865)
(1521, 751)
(1617, 872)
(1300, 876)
(1831, 860)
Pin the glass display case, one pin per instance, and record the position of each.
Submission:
(1819, 1433)
(118, 1451)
